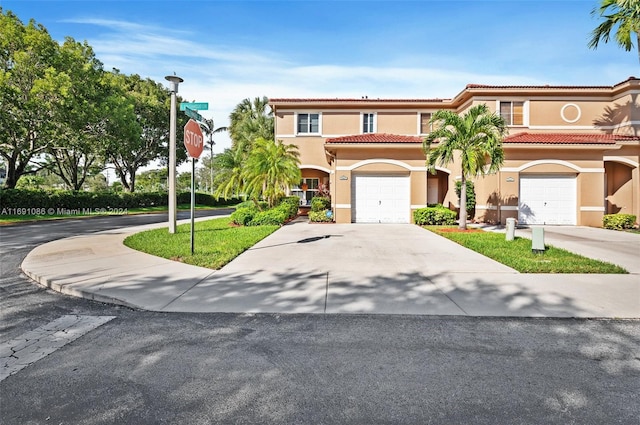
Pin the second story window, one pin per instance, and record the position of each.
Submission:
(512, 112)
(368, 123)
(309, 123)
(425, 125)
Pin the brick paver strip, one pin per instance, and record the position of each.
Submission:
(31, 346)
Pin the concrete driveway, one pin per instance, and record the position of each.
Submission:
(331, 268)
(340, 268)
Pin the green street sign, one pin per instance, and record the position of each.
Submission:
(196, 106)
(193, 114)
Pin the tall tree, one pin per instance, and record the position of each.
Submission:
(251, 120)
(30, 90)
(80, 119)
(271, 169)
(138, 131)
(621, 16)
(209, 129)
(476, 137)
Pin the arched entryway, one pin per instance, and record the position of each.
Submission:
(621, 189)
(437, 187)
(315, 181)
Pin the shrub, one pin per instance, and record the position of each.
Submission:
(434, 216)
(320, 216)
(243, 216)
(290, 205)
(320, 203)
(618, 221)
(275, 216)
(251, 204)
(471, 195)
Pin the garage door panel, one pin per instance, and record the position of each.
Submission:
(381, 199)
(547, 199)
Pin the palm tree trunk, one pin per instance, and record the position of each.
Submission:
(638, 43)
(463, 204)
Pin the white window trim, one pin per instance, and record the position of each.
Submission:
(375, 122)
(295, 123)
(525, 110)
(298, 188)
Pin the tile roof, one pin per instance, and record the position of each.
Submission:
(375, 138)
(546, 86)
(568, 139)
(350, 100)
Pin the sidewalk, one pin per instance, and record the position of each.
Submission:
(337, 268)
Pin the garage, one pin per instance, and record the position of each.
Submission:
(547, 199)
(381, 199)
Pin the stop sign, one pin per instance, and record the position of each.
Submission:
(193, 139)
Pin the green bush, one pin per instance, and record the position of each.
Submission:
(290, 204)
(320, 216)
(434, 216)
(471, 195)
(320, 203)
(273, 217)
(251, 204)
(243, 216)
(247, 214)
(618, 221)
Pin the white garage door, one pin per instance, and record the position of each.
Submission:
(381, 199)
(547, 199)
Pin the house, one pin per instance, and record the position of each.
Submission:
(571, 155)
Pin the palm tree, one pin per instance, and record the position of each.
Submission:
(621, 14)
(271, 169)
(209, 128)
(249, 121)
(229, 165)
(477, 136)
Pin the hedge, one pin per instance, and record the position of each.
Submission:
(618, 221)
(320, 203)
(434, 216)
(248, 214)
(67, 199)
(320, 216)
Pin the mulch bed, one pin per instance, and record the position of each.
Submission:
(457, 230)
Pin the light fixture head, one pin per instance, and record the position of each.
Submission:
(175, 80)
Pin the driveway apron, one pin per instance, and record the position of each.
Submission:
(342, 268)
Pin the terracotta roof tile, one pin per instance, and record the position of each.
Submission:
(488, 86)
(350, 100)
(568, 139)
(375, 138)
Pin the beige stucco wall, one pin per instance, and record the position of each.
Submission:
(397, 122)
(549, 112)
(284, 123)
(311, 150)
(341, 123)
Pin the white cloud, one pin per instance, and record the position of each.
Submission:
(223, 75)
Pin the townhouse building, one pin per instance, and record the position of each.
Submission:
(571, 154)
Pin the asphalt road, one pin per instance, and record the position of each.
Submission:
(154, 368)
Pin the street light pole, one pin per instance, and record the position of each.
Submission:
(175, 80)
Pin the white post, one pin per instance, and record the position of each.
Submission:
(193, 199)
(175, 80)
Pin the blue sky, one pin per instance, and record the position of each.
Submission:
(230, 50)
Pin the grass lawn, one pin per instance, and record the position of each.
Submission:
(216, 242)
(8, 219)
(517, 253)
